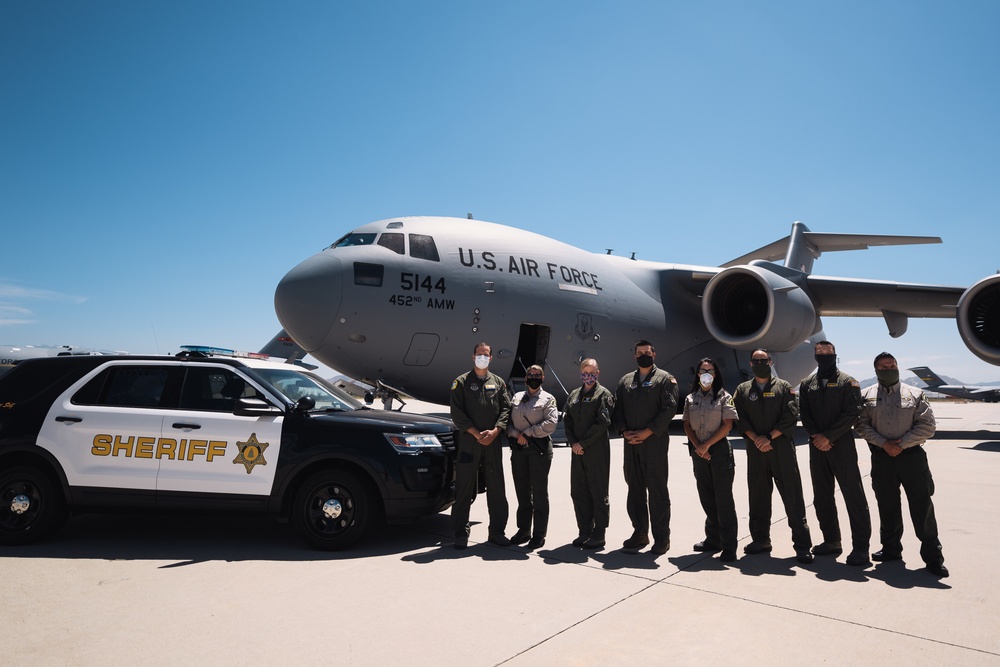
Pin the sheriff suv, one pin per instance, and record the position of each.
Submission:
(205, 433)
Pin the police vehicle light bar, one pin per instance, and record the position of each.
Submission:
(223, 352)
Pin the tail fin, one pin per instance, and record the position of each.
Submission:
(283, 347)
(927, 375)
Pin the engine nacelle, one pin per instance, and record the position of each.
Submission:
(978, 318)
(750, 306)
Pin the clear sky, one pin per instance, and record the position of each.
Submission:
(164, 164)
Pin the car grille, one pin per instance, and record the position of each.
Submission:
(448, 440)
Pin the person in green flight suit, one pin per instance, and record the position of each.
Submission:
(480, 408)
(829, 406)
(645, 402)
(767, 418)
(586, 422)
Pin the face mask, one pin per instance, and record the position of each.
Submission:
(534, 383)
(826, 363)
(888, 378)
(588, 378)
(706, 379)
(482, 361)
(645, 361)
(761, 369)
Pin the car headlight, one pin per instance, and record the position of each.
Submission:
(414, 444)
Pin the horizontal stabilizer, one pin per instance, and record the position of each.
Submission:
(818, 242)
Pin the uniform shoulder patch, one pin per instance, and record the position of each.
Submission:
(454, 384)
(855, 383)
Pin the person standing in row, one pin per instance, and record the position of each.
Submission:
(586, 422)
(708, 418)
(533, 419)
(767, 418)
(480, 408)
(829, 406)
(645, 402)
(896, 420)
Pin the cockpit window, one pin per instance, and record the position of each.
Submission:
(355, 239)
(422, 247)
(393, 241)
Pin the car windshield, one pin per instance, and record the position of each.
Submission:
(293, 384)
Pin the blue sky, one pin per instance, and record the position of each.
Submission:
(163, 164)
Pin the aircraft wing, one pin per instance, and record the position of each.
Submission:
(848, 297)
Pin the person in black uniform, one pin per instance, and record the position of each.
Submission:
(645, 402)
(767, 418)
(480, 408)
(708, 418)
(896, 420)
(586, 422)
(829, 406)
(533, 419)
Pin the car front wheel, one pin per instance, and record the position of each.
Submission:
(334, 509)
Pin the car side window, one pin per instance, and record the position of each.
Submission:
(127, 386)
(213, 389)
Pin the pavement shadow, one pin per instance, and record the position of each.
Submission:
(197, 539)
(993, 446)
(896, 574)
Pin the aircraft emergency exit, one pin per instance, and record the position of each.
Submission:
(404, 301)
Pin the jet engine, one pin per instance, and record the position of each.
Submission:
(978, 317)
(754, 306)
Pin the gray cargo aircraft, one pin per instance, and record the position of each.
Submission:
(402, 302)
(970, 391)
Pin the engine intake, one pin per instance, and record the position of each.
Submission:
(751, 306)
(978, 318)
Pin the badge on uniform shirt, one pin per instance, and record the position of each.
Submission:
(768, 394)
(753, 396)
(474, 386)
(633, 385)
(831, 384)
(647, 383)
(588, 399)
(490, 387)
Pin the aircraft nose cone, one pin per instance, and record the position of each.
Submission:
(307, 300)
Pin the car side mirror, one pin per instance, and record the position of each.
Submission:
(305, 404)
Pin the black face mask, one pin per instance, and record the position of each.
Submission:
(645, 361)
(826, 364)
(888, 378)
(534, 383)
(761, 369)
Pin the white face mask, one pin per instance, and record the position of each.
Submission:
(482, 361)
(706, 379)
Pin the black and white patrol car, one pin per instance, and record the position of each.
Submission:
(210, 433)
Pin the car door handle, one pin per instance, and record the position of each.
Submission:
(191, 426)
(73, 420)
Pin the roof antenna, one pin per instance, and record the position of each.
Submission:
(469, 215)
(610, 250)
(633, 255)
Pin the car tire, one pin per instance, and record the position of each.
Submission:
(334, 509)
(31, 505)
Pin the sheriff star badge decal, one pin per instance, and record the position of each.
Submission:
(251, 453)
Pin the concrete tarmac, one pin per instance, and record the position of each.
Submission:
(126, 590)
